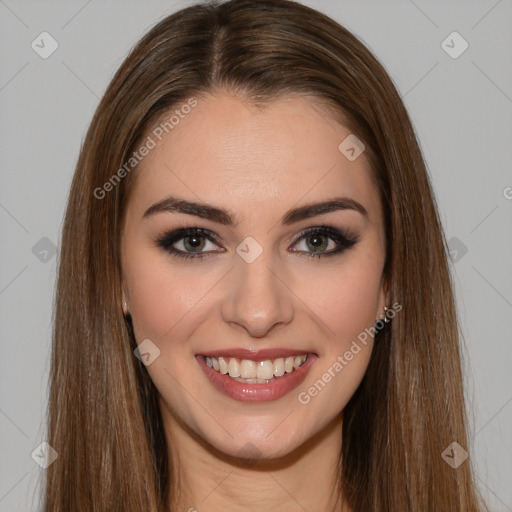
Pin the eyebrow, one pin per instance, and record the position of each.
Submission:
(215, 214)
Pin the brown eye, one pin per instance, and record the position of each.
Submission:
(325, 241)
(317, 242)
(188, 242)
(194, 243)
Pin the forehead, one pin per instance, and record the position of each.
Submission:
(226, 151)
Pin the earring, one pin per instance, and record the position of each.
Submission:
(379, 324)
(125, 308)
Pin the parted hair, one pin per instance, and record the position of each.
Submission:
(103, 415)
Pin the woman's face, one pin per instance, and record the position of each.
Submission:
(264, 293)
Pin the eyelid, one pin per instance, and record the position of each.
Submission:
(174, 235)
(344, 238)
(346, 233)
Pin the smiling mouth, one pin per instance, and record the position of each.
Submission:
(256, 376)
(255, 372)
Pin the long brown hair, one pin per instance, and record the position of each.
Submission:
(103, 416)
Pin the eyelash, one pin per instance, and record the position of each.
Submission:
(344, 238)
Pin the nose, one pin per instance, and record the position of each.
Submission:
(258, 298)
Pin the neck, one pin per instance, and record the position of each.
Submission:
(205, 479)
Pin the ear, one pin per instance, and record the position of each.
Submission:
(124, 302)
(384, 296)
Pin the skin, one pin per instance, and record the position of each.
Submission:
(258, 164)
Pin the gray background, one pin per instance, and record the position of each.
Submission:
(462, 111)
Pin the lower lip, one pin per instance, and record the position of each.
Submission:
(245, 392)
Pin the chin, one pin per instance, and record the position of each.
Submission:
(251, 449)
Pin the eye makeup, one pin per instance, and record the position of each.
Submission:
(194, 248)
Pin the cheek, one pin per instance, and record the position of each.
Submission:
(160, 295)
(334, 384)
(162, 303)
(346, 304)
(345, 299)
(150, 300)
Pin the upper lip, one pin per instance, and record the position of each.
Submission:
(255, 355)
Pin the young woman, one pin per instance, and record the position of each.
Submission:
(254, 309)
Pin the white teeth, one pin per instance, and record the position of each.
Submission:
(279, 367)
(299, 361)
(234, 367)
(247, 369)
(223, 366)
(288, 364)
(253, 381)
(265, 370)
(252, 372)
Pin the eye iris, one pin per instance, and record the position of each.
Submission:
(194, 242)
(317, 241)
